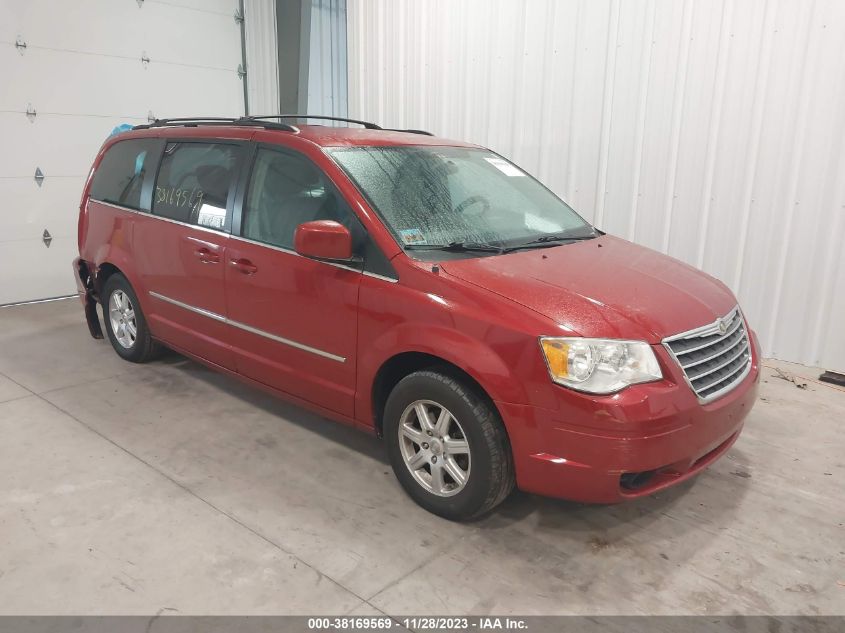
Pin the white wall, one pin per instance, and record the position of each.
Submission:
(711, 130)
(82, 72)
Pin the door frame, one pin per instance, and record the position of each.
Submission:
(236, 228)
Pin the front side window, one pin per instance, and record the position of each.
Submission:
(194, 181)
(285, 190)
(121, 174)
(432, 196)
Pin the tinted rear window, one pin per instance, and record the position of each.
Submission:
(194, 181)
(120, 176)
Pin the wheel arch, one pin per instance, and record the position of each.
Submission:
(400, 365)
(116, 262)
(107, 269)
(104, 271)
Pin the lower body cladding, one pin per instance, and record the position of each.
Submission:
(631, 444)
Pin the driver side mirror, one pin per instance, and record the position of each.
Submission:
(323, 239)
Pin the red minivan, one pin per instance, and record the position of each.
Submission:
(425, 290)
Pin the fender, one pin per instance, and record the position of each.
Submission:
(114, 250)
(474, 356)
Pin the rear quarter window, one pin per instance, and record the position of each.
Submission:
(123, 170)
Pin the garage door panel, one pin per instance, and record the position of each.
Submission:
(28, 209)
(81, 84)
(82, 72)
(197, 92)
(31, 270)
(124, 29)
(72, 84)
(9, 18)
(215, 40)
(223, 7)
(59, 145)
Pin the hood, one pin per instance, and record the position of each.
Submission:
(606, 287)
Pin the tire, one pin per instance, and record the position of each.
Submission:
(120, 318)
(487, 467)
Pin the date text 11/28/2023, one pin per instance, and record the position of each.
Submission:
(418, 623)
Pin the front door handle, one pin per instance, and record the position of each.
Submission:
(207, 256)
(243, 265)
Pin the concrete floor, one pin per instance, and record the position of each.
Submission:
(128, 489)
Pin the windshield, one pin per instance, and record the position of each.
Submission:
(440, 196)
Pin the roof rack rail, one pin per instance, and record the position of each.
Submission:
(366, 124)
(261, 121)
(423, 132)
(212, 120)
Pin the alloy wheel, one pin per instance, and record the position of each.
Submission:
(122, 319)
(434, 447)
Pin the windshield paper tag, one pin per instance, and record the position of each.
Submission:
(412, 236)
(504, 166)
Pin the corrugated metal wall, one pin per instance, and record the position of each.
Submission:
(710, 130)
(262, 58)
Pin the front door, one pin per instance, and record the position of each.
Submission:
(293, 319)
(181, 249)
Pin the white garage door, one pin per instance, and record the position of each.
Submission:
(81, 66)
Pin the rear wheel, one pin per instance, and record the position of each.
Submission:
(125, 324)
(447, 445)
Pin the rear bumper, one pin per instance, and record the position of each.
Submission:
(85, 290)
(654, 435)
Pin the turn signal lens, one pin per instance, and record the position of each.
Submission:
(556, 353)
(599, 365)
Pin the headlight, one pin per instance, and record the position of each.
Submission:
(598, 365)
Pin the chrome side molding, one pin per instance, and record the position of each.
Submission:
(248, 328)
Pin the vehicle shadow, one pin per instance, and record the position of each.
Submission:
(341, 434)
(675, 523)
(544, 513)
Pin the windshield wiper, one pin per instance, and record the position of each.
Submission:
(461, 246)
(550, 240)
(457, 247)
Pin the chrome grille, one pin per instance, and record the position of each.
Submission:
(716, 357)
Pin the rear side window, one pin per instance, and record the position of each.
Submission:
(194, 181)
(120, 176)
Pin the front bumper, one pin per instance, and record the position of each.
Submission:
(643, 439)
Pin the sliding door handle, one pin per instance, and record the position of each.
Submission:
(207, 256)
(244, 266)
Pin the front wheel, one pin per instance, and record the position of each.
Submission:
(125, 323)
(447, 446)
